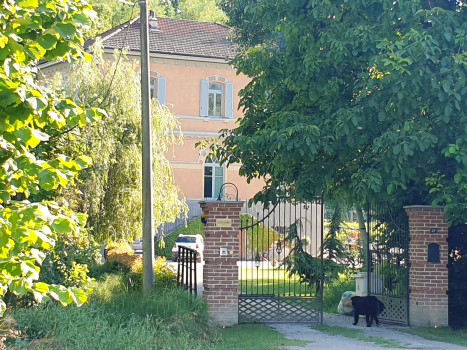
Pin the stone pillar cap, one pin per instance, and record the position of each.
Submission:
(216, 201)
(422, 206)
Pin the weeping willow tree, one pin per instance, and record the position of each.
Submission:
(110, 191)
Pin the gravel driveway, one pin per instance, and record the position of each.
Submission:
(323, 341)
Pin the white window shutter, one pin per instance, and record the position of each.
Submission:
(229, 100)
(161, 95)
(203, 106)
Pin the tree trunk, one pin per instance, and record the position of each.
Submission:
(363, 233)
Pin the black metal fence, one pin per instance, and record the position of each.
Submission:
(186, 271)
(388, 260)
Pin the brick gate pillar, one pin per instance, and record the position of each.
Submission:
(221, 253)
(428, 276)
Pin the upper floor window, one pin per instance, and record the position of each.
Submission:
(216, 97)
(157, 87)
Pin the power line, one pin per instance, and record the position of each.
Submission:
(109, 90)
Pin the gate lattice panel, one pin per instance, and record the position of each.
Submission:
(388, 257)
(275, 241)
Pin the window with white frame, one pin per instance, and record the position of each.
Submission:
(157, 87)
(213, 177)
(216, 97)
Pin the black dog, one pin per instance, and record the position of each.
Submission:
(369, 306)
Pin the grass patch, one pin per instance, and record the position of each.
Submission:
(254, 337)
(193, 228)
(333, 291)
(272, 281)
(116, 318)
(442, 334)
(359, 335)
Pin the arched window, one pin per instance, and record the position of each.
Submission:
(216, 97)
(213, 177)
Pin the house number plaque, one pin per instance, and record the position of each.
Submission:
(223, 222)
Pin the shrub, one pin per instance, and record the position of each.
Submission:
(68, 262)
(120, 256)
(121, 259)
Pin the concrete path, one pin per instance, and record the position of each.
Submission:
(323, 341)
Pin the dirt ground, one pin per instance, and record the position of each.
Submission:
(323, 341)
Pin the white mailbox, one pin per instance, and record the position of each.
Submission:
(361, 283)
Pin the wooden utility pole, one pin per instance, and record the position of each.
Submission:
(148, 219)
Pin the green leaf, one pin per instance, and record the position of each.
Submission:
(38, 255)
(47, 41)
(28, 137)
(59, 51)
(9, 100)
(3, 40)
(63, 225)
(28, 3)
(78, 18)
(41, 287)
(390, 188)
(35, 50)
(381, 115)
(82, 218)
(66, 30)
(47, 180)
(406, 149)
(61, 294)
(29, 269)
(79, 296)
(42, 136)
(84, 161)
(446, 86)
(19, 286)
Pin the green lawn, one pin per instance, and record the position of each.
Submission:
(442, 334)
(272, 281)
(253, 337)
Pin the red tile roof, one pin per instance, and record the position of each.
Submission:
(175, 37)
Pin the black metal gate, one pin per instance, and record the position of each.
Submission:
(388, 258)
(281, 263)
(457, 276)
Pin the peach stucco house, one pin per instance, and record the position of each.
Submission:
(190, 74)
